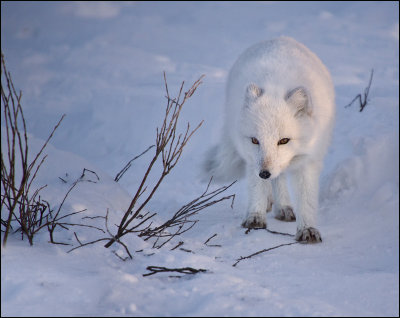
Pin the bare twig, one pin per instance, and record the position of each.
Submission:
(84, 174)
(88, 243)
(363, 99)
(62, 180)
(270, 231)
(183, 270)
(186, 250)
(76, 236)
(280, 233)
(128, 165)
(209, 239)
(178, 245)
(262, 251)
(120, 257)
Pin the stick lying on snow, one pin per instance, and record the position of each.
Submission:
(184, 270)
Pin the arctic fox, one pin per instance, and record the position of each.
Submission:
(279, 115)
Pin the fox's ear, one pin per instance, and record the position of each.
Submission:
(252, 93)
(301, 100)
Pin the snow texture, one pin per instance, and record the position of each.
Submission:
(102, 63)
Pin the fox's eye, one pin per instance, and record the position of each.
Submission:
(283, 141)
(254, 140)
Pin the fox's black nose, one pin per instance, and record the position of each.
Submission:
(264, 174)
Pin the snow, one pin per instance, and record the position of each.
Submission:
(101, 64)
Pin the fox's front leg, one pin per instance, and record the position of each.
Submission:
(282, 207)
(260, 200)
(306, 186)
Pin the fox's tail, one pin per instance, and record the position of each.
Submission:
(223, 163)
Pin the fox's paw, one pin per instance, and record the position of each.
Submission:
(285, 214)
(255, 221)
(308, 235)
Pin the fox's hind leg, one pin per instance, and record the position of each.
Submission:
(282, 207)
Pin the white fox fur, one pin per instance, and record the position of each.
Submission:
(279, 116)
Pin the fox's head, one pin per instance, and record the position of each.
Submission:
(276, 129)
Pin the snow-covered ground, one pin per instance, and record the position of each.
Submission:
(101, 64)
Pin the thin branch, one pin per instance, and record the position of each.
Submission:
(76, 236)
(128, 165)
(270, 231)
(179, 244)
(183, 270)
(209, 239)
(186, 250)
(262, 251)
(121, 258)
(363, 99)
(84, 174)
(280, 233)
(62, 180)
(88, 243)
